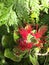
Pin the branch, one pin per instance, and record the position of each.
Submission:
(44, 54)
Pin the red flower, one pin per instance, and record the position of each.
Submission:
(25, 46)
(24, 32)
(28, 28)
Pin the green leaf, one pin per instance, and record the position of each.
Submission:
(45, 3)
(9, 54)
(35, 11)
(5, 12)
(15, 35)
(7, 15)
(7, 41)
(18, 52)
(8, 3)
(33, 60)
(12, 20)
(21, 10)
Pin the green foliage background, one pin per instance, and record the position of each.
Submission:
(14, 14)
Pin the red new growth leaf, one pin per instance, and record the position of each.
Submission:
(41, 31)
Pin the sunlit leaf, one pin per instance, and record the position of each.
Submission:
(33, 60)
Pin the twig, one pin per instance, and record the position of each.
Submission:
(44, 54)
